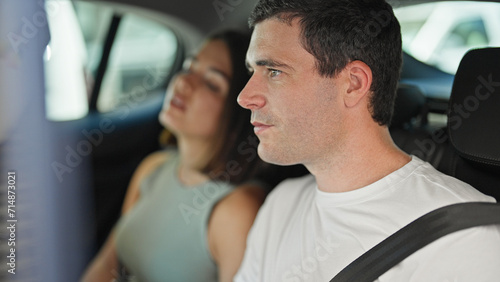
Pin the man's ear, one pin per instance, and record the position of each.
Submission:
(360, 81)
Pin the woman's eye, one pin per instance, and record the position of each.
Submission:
(212, 86)
(274, 73)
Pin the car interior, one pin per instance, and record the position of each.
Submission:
(101, 84)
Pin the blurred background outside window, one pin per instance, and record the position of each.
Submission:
(440, 33)
(141, 58)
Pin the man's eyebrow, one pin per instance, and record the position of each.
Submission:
(270, 63)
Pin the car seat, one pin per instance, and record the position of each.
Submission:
(473, 151)
(408, 128)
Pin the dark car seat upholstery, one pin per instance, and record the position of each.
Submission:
(409, 104)
(408, 128)
(473, 148)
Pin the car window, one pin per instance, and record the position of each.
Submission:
(64, 62)
(440, 33)
(94, 23)
(141, 58)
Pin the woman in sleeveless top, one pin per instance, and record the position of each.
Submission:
(188, 210)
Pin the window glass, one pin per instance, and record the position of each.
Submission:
(64, 62)
(94, 24)
(440, 33)
(142, 56)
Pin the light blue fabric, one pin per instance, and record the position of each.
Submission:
(164, 237)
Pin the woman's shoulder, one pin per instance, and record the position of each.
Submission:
(145, 168)
(245, 200)
(253, 191)
(230, 223)
(153, 161)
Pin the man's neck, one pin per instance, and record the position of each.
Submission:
(363, 162)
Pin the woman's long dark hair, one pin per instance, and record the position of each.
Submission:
(235, 156)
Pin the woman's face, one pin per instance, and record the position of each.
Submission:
(195, 97)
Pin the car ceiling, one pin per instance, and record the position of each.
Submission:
(205, 15)
(209, 14)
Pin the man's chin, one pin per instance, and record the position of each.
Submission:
(276, 157)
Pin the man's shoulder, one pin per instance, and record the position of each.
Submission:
(429, 178)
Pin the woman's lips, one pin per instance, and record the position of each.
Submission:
(260, 127)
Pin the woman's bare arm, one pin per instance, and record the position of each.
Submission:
(228, 228)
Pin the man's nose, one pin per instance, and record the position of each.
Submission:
(251, 97)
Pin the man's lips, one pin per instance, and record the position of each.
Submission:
(260, 127)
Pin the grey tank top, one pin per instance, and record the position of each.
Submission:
(164, 237)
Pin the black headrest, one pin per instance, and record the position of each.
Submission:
(474, 108)
(409, 103)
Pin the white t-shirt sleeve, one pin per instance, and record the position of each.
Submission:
(249, 269)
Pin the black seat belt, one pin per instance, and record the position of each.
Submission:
(416, 235)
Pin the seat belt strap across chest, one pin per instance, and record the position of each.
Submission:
(416, 235)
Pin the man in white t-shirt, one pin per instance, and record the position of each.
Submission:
(322, 94)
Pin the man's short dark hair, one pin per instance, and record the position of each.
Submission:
(337, 32)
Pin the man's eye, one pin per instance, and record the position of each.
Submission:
(274, 73)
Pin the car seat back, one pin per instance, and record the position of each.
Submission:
(473, 153)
